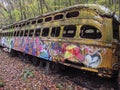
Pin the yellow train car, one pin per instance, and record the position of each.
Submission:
(84, 36)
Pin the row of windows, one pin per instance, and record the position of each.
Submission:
(47, 19)
(86, 31)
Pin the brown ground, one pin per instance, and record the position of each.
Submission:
(15, 75)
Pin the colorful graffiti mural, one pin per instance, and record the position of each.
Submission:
(88, 55)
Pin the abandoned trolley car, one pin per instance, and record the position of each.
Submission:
(83, 36)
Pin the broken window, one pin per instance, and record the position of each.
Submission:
(27, 23)
(69, 31)
(90, 32)
(72, 14)
(17, 33)
(55, 31)
(33, 22)
(14, 33)
(37, 32)
(59, 16)
(48, 19)
(115, 30)
(26, 33)
(45, 32)
(40, 21)
(21, 33)
(31, 32)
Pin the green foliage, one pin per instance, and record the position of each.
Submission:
(60, 86)
(1, 84)
(17, 10)
(27, 74)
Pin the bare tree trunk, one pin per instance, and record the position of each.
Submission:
(41, 6)
(55, 5)
(70, 3)
(38, 3)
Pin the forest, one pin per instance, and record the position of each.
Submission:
(15, 10)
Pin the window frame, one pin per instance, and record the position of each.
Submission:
(67, 28)
(45, 32)
(97, 35)
(39, 32)
(70, 12)
(55, 29)
(58, 15)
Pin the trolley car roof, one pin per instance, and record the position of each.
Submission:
(101, 10)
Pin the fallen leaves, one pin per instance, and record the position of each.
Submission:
(20, 76)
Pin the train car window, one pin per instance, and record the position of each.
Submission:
(115, 30)
(59, 16)
(6, 34)
(19, 25)
(48, 19)
(27, 23)
(37, 32)
(40, 21)
(17, 33)
(31, 32)
(21, 33)
(90, 32)
(33, 22)
(23, 25)
(72, 14)
(14, 33)
(45, 32)
(69, 31)
(26, 33)
(55, 32)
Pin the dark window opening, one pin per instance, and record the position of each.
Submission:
(23, 24)
(40, 21)
(45, 32)
(12, 33)
(31, 32)
(69, 31)
(48, 19)
(26, 33)
(37, 32)
(72, 14)
(28, 23)
(90, 32)
(57, 17)
(55, 31)
(115, 30)
(20, 25)
(33, 22)
(3, 34)
(21, 33)
(17, 33)
(17, 26)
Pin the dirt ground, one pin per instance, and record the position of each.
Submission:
(16, 75)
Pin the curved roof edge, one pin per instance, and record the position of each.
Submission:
(102, 10)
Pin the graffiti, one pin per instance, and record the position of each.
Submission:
(27, 45)
(88, 55)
